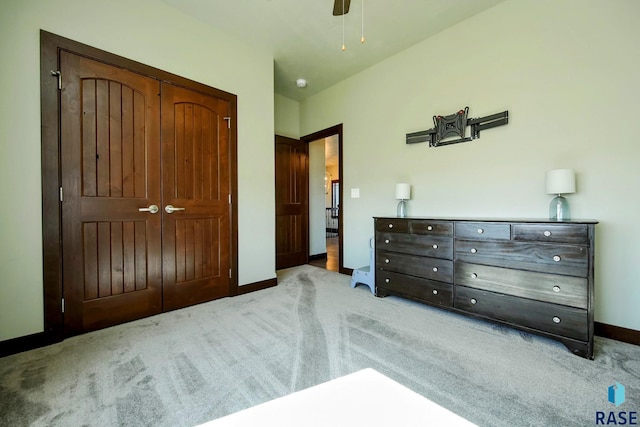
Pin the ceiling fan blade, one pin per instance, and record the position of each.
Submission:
(337, 7)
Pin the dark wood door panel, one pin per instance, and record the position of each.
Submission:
(196, 178)
(199, 150)
(110, 168)
(292, 217)
(196, 259)
(289, 241)
(289, 209)
(115, 258)
(197, 252)
(112, 311)
(113, 139)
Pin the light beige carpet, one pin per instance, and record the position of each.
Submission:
(189, 366)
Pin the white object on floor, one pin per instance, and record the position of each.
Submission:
(365, 398)
(366, 275)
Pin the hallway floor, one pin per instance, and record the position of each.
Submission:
(332, 261)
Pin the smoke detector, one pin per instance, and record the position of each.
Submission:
(301, 83)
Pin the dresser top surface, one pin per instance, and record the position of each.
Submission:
(510, 220)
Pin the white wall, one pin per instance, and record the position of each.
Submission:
(567, 72)
(146, 31)
(317, 235)
(287, 117)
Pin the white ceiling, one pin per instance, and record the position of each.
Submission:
(305, 39)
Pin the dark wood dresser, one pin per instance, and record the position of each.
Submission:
(534, 275)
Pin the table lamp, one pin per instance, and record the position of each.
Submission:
(403, 193)
(559, 182)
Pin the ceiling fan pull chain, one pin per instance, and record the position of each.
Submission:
(362, 34)
(343, 45)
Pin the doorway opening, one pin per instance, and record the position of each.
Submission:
(325, 198)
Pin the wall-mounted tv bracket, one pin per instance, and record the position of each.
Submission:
(455, 125)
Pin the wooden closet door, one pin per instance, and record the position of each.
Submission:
(196, 180)
(110, 169)
(292, 202)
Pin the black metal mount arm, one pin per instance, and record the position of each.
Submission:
(455, 125)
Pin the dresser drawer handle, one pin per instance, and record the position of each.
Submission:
(547, 233)
(474, 250)
(480, 231)
(390, 225)
(474, 301)
(435, 269)
(387, 280)
(556, 288)
(556, 258)
(386, 260)
(435, 291)
(429, 227)
(435, 246)
(556, 319)
(474, 276)
(386, 240)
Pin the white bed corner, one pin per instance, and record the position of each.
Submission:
(364, 398)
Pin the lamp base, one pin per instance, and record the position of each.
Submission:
(402, 209)
(559, 209)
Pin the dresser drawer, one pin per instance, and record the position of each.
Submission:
(432, 228)
(415, 244)
(556, 319)
(553, 288)
(483, 230)
(569, 260)
(429, 268)
(397, 225)
(414, 287)
(570, 233)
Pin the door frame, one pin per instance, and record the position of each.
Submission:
(50, 46)
(325, 133)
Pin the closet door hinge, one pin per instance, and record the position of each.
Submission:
(228, 119)
(63, 305)
(61, 195)
(230, 199)
(229, 273)
(58, 74)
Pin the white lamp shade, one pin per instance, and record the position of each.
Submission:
(403, 191)
(561, 181)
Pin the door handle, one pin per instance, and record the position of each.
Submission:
(170, 209)
(151, 209)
